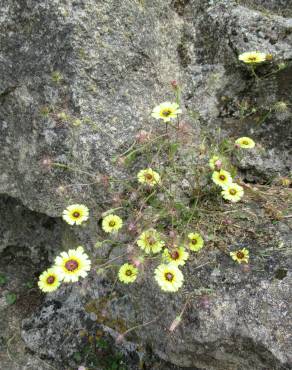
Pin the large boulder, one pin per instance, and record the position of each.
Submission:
(78, 80)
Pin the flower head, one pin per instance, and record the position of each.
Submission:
(75, 214)
(150, 241)
(112, 223)
(245, 143)
(196, 242)
(252, 57)
(222, 178)
(49, 280)
(166, 111)
(169, 277)
(72, 264)
(242, 255)
(128, 273)
(233, 192)
(177, 256)
(148, 177)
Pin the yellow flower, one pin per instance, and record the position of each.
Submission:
(245, 143)
(252, 57)
(49, 280)
(112, 223)
(148, 177)
(233, 192)
(222, 178)
(213, 160)
(150, 241)
(196, 242)
(128, 273)
(166, 111)
(169, 277)
(75, 214)
(240, 256)
(72, 264)
(177, 256)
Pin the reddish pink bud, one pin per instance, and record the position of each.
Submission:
(105, 180)
(218, 165)
(227, 222)
(172, 234)
(174, 84)
(136, 262)
(204, 302)
(132, 227)
(245, 268)
(120, 338)
(143, 136)
(237, 146)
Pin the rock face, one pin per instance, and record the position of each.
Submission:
(78, 80)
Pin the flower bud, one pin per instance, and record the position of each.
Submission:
(174, 84)
(175, 324)
(218, 165)
(143, 136)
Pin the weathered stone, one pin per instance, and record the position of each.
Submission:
(78, 80)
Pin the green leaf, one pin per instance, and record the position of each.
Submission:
(10, 298)
(3, 279)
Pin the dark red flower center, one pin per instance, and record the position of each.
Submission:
(194, 241)
(240, 255)
(252, 59)
(174, 255)
(151, 240)
(128, 272)
(169, 276)
(222, 177)
(148, 176)
(76, 214)
(232, 191)
(166, 113)
(244, 142)
(112, 223)
(50, 279)
(71, 265)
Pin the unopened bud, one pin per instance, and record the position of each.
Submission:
(61, 190)
(143, 136)
(174, 84)
(175, 324)
(245, 268)
(269, 57)
(120, 338)
(46, 163)
(172, 234)
(132, 227)
(121, 161)
(218, 165)
(237, 146)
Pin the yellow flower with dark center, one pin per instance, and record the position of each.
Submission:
(196, 242)
(75, 214)
(245, 143)
(127, 273)
(150, 241)
(252, 57)
(222, 178)
(112, 223)
(148, 177)
(166, 111)
(240, 256)
(72, 265)
(169, 277)
(177, 256)
(49, 280)
(233, 192)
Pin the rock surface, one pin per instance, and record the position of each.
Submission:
(78, 80)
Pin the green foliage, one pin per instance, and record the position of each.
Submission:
(10, 298)
(3, 279)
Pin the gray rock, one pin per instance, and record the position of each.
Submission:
(78, 80)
